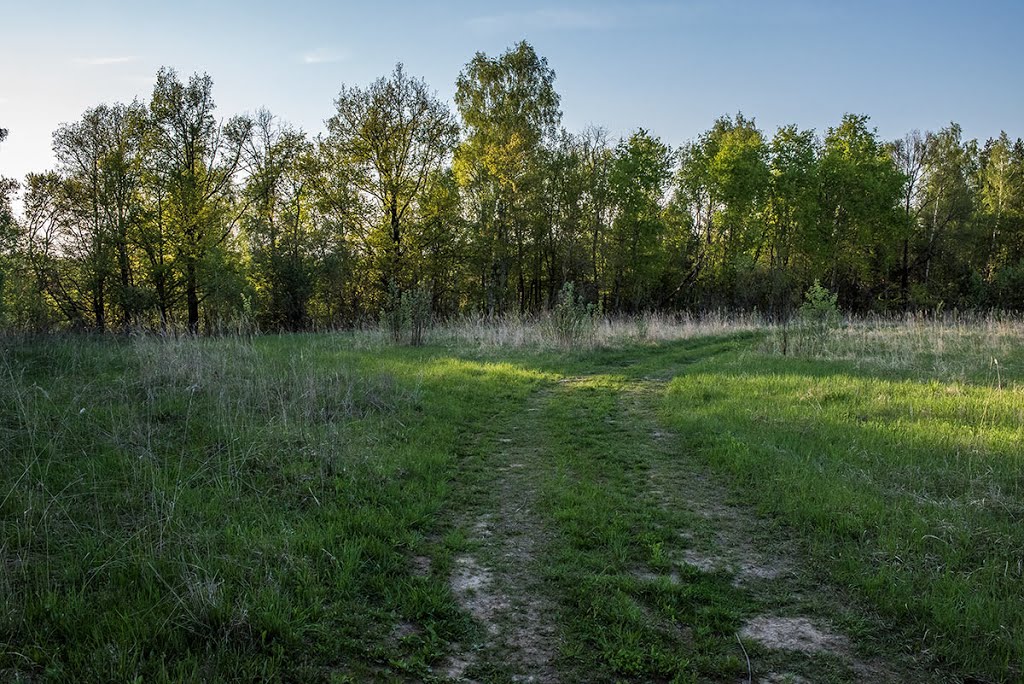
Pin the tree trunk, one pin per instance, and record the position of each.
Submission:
(126, 306)
(97, 307)
(192, 297)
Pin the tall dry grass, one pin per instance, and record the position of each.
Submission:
(953, 347)
(540, 332)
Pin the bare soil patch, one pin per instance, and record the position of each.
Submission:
(794, 634)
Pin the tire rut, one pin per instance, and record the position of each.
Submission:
(733, 539)
(497, 580)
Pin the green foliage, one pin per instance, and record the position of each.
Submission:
(817, 318)
(639, 171)
(508, 106)
(722, 180)
(820, 308)
(391, 137)
(509, 110)
(572, 321)
(860, 187)
(197, 159)
(160, 215)
(278, 230)
(8, 237)
(407, 315)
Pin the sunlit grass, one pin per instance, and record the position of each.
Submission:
(251, 508)
(905, 487)
(179, 509)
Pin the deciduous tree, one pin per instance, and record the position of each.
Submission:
(393, 135)
(195, 160)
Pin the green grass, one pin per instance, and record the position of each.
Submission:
(903, 486)
(622, 612)
(188, 510)
(293, 508)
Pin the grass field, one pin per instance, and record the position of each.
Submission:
(668, 506)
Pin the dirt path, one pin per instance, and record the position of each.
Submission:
(498, 581)
(796, 629)
(801, 615)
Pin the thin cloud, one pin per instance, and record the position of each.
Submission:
(551, 19)
(323, 56)
(104, 61)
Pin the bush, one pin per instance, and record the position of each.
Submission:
(817, 317)
(417, 303)
(572, 322)
(407, 314)
(820, 308)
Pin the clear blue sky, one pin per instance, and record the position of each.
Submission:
(671, 67)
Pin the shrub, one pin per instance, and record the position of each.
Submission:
(809, 333)
(820, 308)
(393, 315)
(407, 314)
(572, 322)
(819, 316)
(417, 304)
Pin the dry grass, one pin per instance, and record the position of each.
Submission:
(954, 347)
(537, 332)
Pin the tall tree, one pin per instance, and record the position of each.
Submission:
(195, 159)
(570, 185)
(100, 156)
(1002, 200)
(640, 171)
(791, 215)
(8, 228)
(393, 135)
(595, 156)
(910, 154)
(80, 149)
(947, 244)
(860, 193)
(439, 245)
(277, 223)
(509, 110)
(342, 247)
(60, 247)
(722, 178)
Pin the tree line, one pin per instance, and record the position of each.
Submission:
(159, 214)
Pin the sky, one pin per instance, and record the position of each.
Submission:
(669, 67)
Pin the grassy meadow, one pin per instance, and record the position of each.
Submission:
(490, 507)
